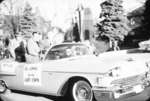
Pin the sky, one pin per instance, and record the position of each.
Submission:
(51, 8)
(61, 11)
(61, 7)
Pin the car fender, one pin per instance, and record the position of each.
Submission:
(90, 78)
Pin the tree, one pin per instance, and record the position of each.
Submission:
(113, 25)
(42, 25)
(8, 5)
(27, 21)
(33, 22)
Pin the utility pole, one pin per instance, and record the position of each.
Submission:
(79, 10)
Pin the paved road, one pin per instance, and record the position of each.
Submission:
(141, 97)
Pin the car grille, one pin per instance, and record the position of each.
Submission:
(128, 81)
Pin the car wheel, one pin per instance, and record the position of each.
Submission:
(80, 91)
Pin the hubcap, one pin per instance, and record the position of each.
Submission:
(83, 93)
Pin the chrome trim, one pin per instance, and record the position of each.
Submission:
(7, 74)
(118, 92)
(138, 79)
(94, 73)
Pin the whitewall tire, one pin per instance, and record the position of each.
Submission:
(81, 91)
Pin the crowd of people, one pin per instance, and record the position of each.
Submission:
(18, 47)
(23, 48)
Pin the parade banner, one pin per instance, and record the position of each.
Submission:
(32, 75)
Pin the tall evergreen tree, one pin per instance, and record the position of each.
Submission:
(113, 25)
(32, 21)
(27, 21)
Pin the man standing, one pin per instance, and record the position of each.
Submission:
(33, 48)
(13, 44)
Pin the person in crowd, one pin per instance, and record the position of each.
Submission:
(72, 34)
(76, 34)
(51, 35)
(44, 43)
(1, 48)
(1, 43)
(33, 48)
(69, 33)
(56, 36)
(14, 43)
(20, 52)
(7, 53)
(6, 41)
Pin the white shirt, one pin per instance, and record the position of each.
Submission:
(33, 48)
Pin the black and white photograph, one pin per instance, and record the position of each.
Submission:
(74, 50)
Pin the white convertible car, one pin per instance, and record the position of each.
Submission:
(72, 71)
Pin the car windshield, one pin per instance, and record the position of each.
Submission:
(67, 50)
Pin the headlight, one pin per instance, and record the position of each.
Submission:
(2, 86)
(106, 78)
(115, 72)
(104, 81)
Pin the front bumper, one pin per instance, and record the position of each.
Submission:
(110, 94)
(121, 88)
